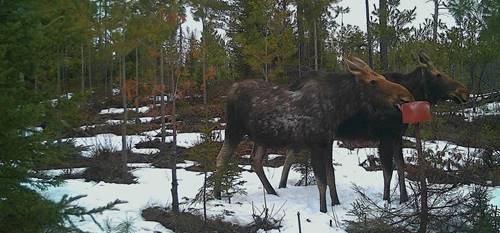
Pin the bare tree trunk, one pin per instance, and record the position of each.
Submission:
(205, 196)
(315, 45)
(59, 70)
(424, 208)
(265, 48)
(435, 20)
(300, 30)
(137, 84)
(89, 66)
(369, 35)
(383, 37)
(175, 195)
(125, 116)
(162, 103)
(82, 61)
(204, 59)
(111, 76)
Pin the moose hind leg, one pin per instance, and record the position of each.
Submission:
(290, 159)
(330, 177)
(386, 154)
(320, 175)
(225, 153)
(257, 165)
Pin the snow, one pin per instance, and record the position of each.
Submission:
(489, 109)
(67, 96)
(153, 188)
(141, 120)
(120, 110)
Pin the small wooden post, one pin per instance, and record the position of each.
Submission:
(298, 219)
(422, 166)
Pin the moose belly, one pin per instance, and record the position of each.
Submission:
(284, 130)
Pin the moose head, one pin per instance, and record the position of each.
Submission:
(436, 85)
(382, 95)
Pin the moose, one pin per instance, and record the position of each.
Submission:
(305, 118)
(427, 83)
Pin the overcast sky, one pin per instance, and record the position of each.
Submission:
(356, 16)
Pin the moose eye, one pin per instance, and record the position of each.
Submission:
(373, 82)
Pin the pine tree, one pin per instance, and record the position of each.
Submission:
(27, 44)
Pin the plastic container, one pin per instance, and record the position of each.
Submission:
(415, 112)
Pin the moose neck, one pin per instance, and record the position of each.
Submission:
(343, 98)
(413, 81)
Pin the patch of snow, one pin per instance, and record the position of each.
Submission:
(214, 120)
(143, 109)
(116, 91)
(141, 120)
(489, 109)
(273, 156)
(57, 172)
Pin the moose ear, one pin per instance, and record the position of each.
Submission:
(416, 58)
(353, 68)
(423, 58)
(362, 64)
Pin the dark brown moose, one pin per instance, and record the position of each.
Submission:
(306, 118)
(425, 83)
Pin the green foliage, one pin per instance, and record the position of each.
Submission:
(304, 167)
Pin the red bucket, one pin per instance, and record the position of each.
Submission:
(414, 112)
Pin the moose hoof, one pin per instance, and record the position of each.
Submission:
(334, 203)
(273, 193)
(403, 199)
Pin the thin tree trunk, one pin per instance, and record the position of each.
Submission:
(162, 104)
(90, 67)
(435, 20)
(424, 208)
(300, 29)
(83, 68)
(175, 196)
(369, 35)
(315, 45)
(59, 70)
(204, 58)
(205, 196)
(137, 84)
(383, 37)
(125, 116)
(111, 76)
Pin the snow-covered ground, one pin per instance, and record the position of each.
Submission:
(488, 109)
(153, 187)
(142, 109)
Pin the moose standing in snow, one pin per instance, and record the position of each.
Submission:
(306, 118)
(425, 83)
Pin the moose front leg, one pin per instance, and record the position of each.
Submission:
(386, 153)
(330, 176)
(257, 165)
(320, 175)
(400, 167)
(225, 152)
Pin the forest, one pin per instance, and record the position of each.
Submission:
(114, 113)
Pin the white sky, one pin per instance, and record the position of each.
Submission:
(356, 16)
